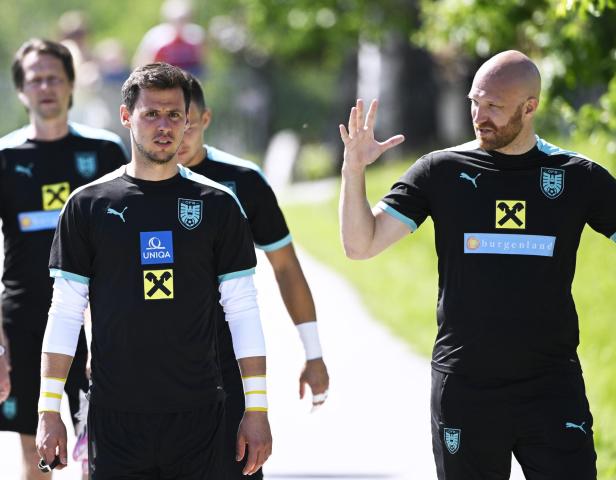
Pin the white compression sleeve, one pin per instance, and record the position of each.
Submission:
(238, 298)
(65, 319)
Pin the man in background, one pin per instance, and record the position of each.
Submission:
(270, 234)
(40, 165)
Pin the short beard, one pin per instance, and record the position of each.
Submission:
(505, 135)
(150, 156)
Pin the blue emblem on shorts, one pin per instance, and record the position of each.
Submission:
(452, 439)
(231, 185)
(9, 408)
(189, 212)
(156, 247)
(86, 164)
(552, 182)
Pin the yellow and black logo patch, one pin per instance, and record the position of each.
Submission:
(511, 214)
(158, 284)
(55, 195)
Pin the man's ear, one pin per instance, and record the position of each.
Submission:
(531, 106)
(206, 118)
(22, 98)
(125, 116)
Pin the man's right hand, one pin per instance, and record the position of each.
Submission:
(360, 147)
(51, 438)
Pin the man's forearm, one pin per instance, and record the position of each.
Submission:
(55, 365)
(252, 366)
(357, 221)
(292, 284)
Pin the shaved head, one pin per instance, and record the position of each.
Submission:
(511, 70)
(504, 98)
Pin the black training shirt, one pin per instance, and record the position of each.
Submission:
(507, 229)
(153, 254)
(267, 224)
(36, 178)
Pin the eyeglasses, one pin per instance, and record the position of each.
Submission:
(50, 80)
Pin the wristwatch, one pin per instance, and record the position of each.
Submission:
(2, 350)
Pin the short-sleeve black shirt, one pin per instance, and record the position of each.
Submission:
(507, 229)
(36, 178)
(154, 254)
(247, 181)
(267, 224)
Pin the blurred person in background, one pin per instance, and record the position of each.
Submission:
(270, 234)
(74, 33)
(176, 41)
(40, 165)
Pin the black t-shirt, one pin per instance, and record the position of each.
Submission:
(36, 178)
(153, 254)
(267, 223)
(507, 229)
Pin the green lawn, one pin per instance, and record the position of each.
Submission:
(399, 289)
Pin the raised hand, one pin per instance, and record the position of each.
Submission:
(360, 147)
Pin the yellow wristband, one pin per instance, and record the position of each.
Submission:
(50, 398)
(255, 393)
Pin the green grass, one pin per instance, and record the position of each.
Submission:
(399, 288)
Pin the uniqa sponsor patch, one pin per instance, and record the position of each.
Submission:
(156, 247)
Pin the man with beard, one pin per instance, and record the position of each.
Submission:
(270, 234)
(40, 164)
(154, 247)
(508, 212)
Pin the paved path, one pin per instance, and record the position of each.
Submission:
(375, 424)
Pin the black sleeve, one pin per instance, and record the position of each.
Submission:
(71, 251)
(233, 249)
(408, 199)
(267, 224)
(602, 212)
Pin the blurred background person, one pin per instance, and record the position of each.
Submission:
(176, 41)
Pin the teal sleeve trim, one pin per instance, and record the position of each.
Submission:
(276, 245)
(613, 237)
(56, 273)
(232, 275)
(397, 215)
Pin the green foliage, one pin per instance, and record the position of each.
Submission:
(407, 306)
(297, 31)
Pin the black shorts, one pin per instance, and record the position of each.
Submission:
(234, 411)
(179, 445)
(545, 422)
(19, 412)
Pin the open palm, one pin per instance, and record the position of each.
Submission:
(360, 147)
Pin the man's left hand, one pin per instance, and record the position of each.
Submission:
(254, 434)
(316, 377)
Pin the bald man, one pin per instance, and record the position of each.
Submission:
(508, 211)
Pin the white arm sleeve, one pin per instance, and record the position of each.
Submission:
(65, 319)
(238, 298)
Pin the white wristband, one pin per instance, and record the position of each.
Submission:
(255, 393)
(50, 398)
(310, 338)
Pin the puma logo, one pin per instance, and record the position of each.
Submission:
(573, 425)
(473, 180)
(27, 171)
(111, 211)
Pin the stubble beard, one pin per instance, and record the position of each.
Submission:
(503, 136)
(151, 156)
